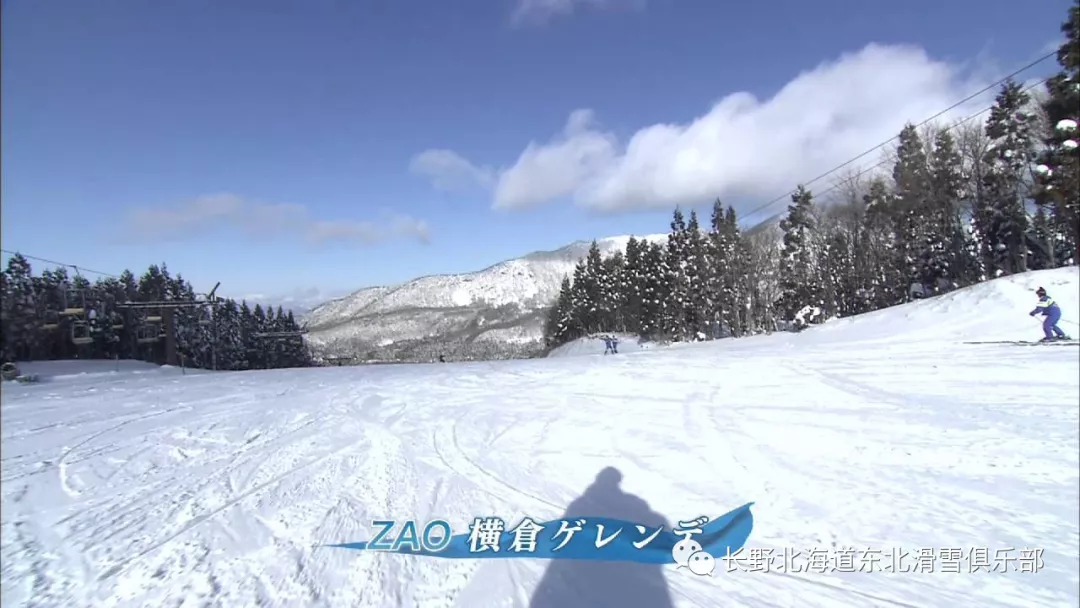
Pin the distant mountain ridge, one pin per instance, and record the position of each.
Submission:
(503, 303)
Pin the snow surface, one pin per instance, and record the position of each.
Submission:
(881, 431)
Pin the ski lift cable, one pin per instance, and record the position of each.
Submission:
(207, 298)
(880, 146)
(886, 161)
(63, 264)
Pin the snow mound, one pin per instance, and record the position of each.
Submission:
(628, 343)
(993, 310)
(76, 370)
(70, 368)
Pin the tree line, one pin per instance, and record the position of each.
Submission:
(963, 203)
(56, 316)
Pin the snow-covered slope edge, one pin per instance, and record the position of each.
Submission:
(992, 311)
(502, 303)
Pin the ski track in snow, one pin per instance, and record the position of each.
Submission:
(218, 489)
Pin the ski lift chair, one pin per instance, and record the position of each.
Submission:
(147, 334)
(74, 302)
(52, 320)
(80, 333)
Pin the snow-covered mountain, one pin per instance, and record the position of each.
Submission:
(503, 303)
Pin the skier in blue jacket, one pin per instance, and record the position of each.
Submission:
(1049, 309)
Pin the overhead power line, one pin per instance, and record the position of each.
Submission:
(878, 147)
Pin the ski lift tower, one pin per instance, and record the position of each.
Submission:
(162, 313)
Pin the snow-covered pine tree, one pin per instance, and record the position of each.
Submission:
(108, 324)
(282, 350)
(714, 279)
(800, 279)
(763, 260)
(152, 287)
(1003, 221)
(727, 271)
(593, 286)
(22, 311)
(52, 288)
(270, 346)
(973, 145)
(248, 342)
(835, 271)
(613, 268)
(193, 341)
(946, 261)
(579, 298)
(655, 291)
(229, 327)
(631, 283)
(256, 345)
(735, 294)
(840, 226)
(675, 261)
(297, 352)
(127, 291)
(910, 204)
(1041, 241)
(695, 271)
(1058, 179)
(558, 327)
(882, 276)
(153, 284)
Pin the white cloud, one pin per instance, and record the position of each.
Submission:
(743, 147)
(449, 171)
(540, 11)
(548, 171)
(265, 220)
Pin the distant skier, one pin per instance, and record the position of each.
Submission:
(611, 345)
(1049, 309)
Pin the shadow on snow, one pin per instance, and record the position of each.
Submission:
(590, 583)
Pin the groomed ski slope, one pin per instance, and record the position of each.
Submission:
(882, 431)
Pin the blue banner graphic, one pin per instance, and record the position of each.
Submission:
(692, 544)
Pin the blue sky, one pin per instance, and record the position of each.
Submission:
(277, 145)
